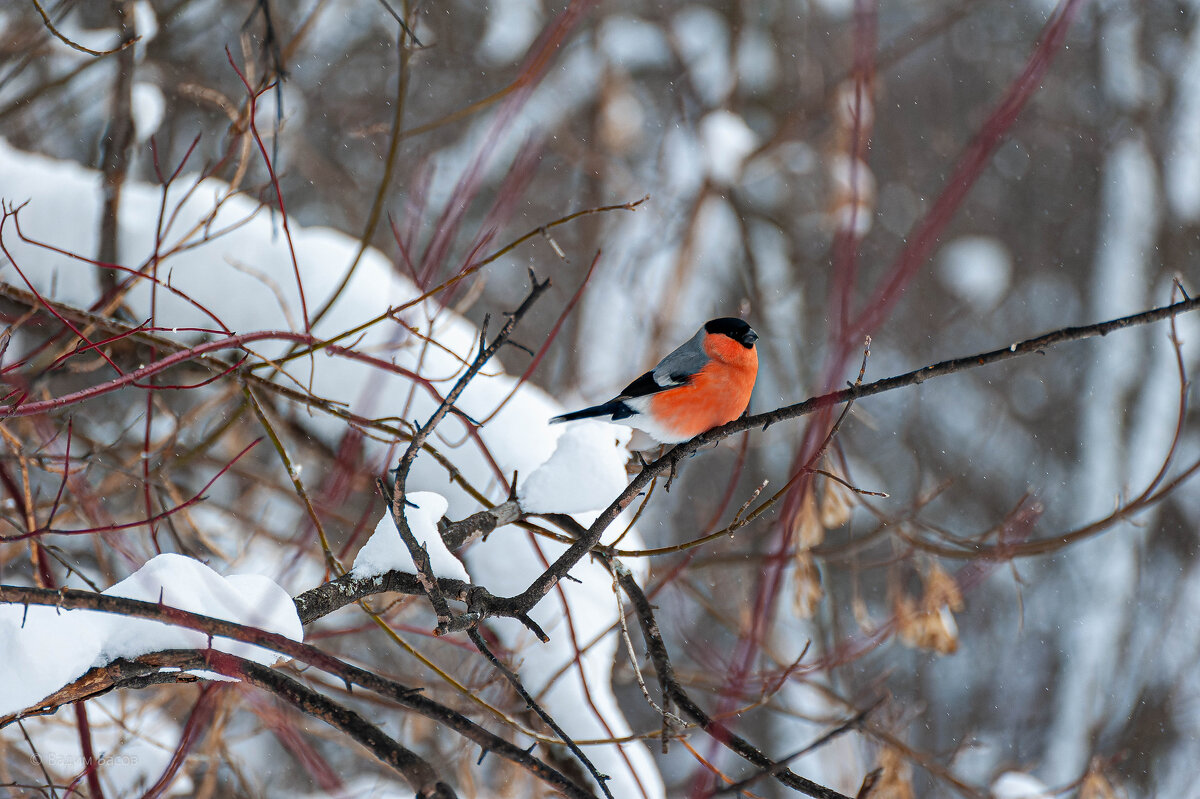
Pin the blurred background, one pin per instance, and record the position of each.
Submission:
(801, 160)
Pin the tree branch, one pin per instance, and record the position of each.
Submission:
(419, 774)
(349, 588)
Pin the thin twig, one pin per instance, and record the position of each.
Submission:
(854, 722)
(76, 45)
(515, 682)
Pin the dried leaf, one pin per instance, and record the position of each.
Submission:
(806, 580)
(1095, 785)
(930, 624)
(807, 527)
(895, 779)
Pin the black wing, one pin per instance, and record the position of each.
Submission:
(646, 385)
(616, 408)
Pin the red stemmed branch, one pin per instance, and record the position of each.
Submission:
(967, 171)
(862, 110)
(283, 725)
(537, 62)
(190, 354)
(133, 273)
(513, 187)
(87, 346)
(90, 771)
(251, 113)
(134, 378)
(195, 727)
(11, 211)
(198, 497)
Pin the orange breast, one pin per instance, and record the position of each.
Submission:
(717, 394)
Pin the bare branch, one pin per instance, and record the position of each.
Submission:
(76, 45)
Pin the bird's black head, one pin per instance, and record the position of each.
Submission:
(736, 329)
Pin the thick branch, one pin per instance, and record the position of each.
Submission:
(419, 774)
(147, 670)
(460, 533)
(349, 588)
(95, 682)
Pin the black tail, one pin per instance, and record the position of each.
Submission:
(613, 408)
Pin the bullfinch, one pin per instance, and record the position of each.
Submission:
(703, 384)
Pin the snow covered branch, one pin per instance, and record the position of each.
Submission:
(147, 670)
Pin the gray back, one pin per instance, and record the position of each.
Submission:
(684, 362)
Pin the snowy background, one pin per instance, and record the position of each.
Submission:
(776, 191)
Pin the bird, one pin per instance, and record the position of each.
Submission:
(703, 384)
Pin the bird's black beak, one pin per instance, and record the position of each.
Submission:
(749, 338)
